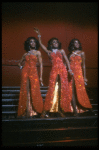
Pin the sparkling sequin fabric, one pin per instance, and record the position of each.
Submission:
(30, 72)
(55, 104)
(75, 64)
(58, 68)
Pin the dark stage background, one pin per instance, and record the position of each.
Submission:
(58, 19)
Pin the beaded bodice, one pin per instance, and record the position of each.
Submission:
(57, 59)
(77, 60)
(31, 60)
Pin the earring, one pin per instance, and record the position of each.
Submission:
(51, 47)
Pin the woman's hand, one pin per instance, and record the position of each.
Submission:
(41, 81)
(85, 81)
(70, 72)
(37, 31)
(21, 67)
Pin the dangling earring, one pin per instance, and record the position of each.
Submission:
(29, 47)
(72, 48)
(51, 47)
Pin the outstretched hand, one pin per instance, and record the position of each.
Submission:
(36, 30)
(70, 72)
(42, 84)
(85, 81)
(41, 81)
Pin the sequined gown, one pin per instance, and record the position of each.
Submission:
(75, 64)
(58, 68)
(29, 72)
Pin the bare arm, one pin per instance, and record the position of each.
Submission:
(83, 65)
(21, 60)
(67, 61)
(39, 38)
(41, 67)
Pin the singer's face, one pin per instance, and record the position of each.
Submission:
(55, 44)
(32, 43)
(76, 44)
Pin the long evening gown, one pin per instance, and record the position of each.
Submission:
(58, 69)
(82, 97)
(30, 102)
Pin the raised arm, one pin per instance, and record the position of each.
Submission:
(67, 61)
(41, 67)
(40, 42)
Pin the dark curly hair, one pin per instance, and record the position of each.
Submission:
(27, 43)
(50, 43)
(71, 45)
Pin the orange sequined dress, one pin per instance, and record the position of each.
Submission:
(30, 72)
(58, 68)
(75, 64)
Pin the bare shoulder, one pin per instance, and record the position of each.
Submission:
(62, 50)
(24, 54)
(49, 52)
(38, 53)
(23, 57)
(83, 53)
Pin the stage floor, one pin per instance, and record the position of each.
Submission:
(67, 131)
(53, 131)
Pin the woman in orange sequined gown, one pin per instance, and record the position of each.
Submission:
(77, 64)
(56, 55)
(30, 100)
